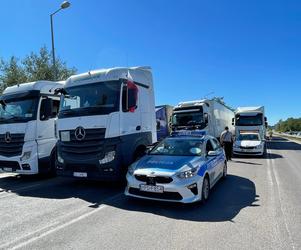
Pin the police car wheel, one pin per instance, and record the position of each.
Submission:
(225, 170)
(205, 189)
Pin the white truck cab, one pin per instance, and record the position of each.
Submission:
(27, 135)
(209, 115)
(250, 119)
(106, 121)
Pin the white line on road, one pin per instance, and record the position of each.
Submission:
(271, 174)
(54, 227)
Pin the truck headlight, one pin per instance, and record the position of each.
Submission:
(109, 156)
(188, 174)
(26, 156)
(60, 159)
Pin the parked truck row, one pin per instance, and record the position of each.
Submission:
(94, 125)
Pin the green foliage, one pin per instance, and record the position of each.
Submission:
(291, 124)
(34, 67)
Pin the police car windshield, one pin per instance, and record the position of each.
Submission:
(248, 137)
(179, 147)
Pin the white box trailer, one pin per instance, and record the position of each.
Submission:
(106, 121)
(27, 119)
(250, 119)
(210, 115)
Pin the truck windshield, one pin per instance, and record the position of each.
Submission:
(91, 99)
(251, 120)
(18, 110)
(189, 119)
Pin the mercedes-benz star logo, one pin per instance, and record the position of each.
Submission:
(7, 137)
(80, 133)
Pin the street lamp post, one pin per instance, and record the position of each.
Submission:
(64, 5)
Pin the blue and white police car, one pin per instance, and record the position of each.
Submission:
(181, 168)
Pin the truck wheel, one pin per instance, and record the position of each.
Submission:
(139, 152)
(52, 169)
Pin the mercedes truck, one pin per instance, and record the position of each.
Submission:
(27, 119)
(106, 121)
(208, 115)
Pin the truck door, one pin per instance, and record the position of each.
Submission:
(46, 140)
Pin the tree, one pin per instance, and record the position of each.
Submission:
(34, 67)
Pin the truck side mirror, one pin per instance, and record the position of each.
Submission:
(206, 118)
(129, 97)
(232, 121)
(266, 124)
(46, 109)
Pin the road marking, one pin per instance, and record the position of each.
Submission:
(271, 174)
(54, 227)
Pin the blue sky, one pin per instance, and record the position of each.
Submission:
(249, 52)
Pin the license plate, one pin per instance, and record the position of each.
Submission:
(80, 174)
(153, 189)
(8, 169)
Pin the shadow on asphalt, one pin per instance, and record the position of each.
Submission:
(283, 144)
(246, 162)
(227, 198)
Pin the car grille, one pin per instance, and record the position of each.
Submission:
(164, 195)
(247, 147)
(9, 164)
(156, 179)
(90, 146)
(14, 147)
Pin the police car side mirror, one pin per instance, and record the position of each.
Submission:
(212, 153)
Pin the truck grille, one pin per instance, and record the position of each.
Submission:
(90, 146)
(247, 147)
(10, 164)
(12, 148)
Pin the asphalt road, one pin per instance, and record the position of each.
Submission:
(258, 206)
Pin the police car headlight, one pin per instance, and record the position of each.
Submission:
(26, 156)
(188, 174)
(109, 156)
(132, 168)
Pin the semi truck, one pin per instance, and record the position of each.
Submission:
(106, 121)
(27, 119)
(250, 119)
(208, 115)
(163, 115)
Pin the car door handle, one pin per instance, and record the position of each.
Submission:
(138, 128)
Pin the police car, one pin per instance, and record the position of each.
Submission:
(181, 168)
